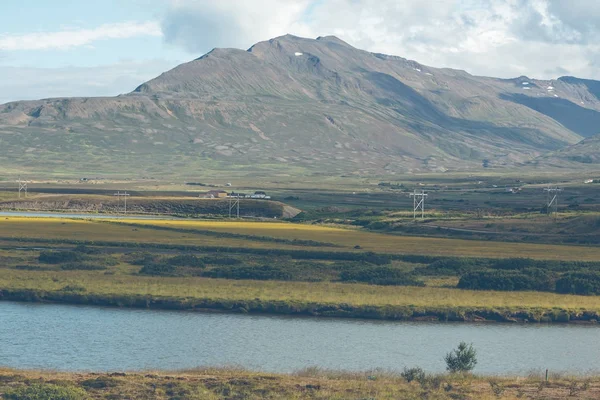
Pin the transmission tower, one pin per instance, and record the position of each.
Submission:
(22, 187)
(124, 195)
(418, 203)
(552, 200)
(234, 204)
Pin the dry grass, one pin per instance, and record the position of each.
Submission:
(227, 383)
(321, 292)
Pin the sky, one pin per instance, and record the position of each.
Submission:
(57, 48)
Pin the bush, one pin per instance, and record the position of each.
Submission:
(186, 260)
(584, 283)
(413, 374)
(379, 276)
(262, 273)
(158, 269)
(86, 250)
(140, 258)
(44, 391)
(82, 267)
(216, 260)
(532, 279)
(58, 257)
(461, 359)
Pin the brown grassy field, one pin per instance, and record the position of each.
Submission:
(213, 384)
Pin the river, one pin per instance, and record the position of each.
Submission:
(81, 338)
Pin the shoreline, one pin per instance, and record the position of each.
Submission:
(306, 309)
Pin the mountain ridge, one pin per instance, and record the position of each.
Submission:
(297, 105)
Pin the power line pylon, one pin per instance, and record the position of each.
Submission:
(22, 187)
(418, 203)
(234, 204)
(552, 200)
(124, 195)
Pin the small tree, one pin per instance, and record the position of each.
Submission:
(461, 359)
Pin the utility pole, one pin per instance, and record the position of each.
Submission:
(418, 203)
(552, 200)
(124, 195)
(22, 187)
(234, 203)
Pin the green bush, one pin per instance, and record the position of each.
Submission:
(158, 269)
(186, 260)
(221, 260)
(262, 273)
(59, 257)
(379, 275)
(82, 267)
(461, 359)
(86, 250)
(531, 279)
(584, 283)
(413, 374)
(45, 391)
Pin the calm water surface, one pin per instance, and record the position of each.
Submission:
(76, 338)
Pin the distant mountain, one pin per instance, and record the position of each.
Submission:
(301, 106)
(584, 154)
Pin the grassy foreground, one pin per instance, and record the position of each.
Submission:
(212, 384)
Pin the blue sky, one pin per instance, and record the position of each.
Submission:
(55, 48)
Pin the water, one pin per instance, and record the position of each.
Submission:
(74, 338)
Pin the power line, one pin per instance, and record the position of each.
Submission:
(234, 203)
(418, 203)
(22, 187)
(124, 195)
(552, 200)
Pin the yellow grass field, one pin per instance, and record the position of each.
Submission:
(320, 292)
(346, 239)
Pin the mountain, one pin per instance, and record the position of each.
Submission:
(292, 106)
(582, 155)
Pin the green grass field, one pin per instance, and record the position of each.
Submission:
(345, 238)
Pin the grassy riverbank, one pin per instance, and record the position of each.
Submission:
(213, 384)
(294, 269)
(294, 298)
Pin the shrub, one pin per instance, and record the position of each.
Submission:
(379, 276)
(140, 258)
(532, 279)
(217, 260)
(158, 269)
(86, 250)
(413, 374)
(82, 267)
(585, 283)
(263, 273)
(186, 260)
(58, 257)
(461, 359)
(44, 391)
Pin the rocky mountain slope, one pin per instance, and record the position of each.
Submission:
(292, 105)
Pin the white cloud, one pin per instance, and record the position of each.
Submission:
(486, 37)
(71, 38)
